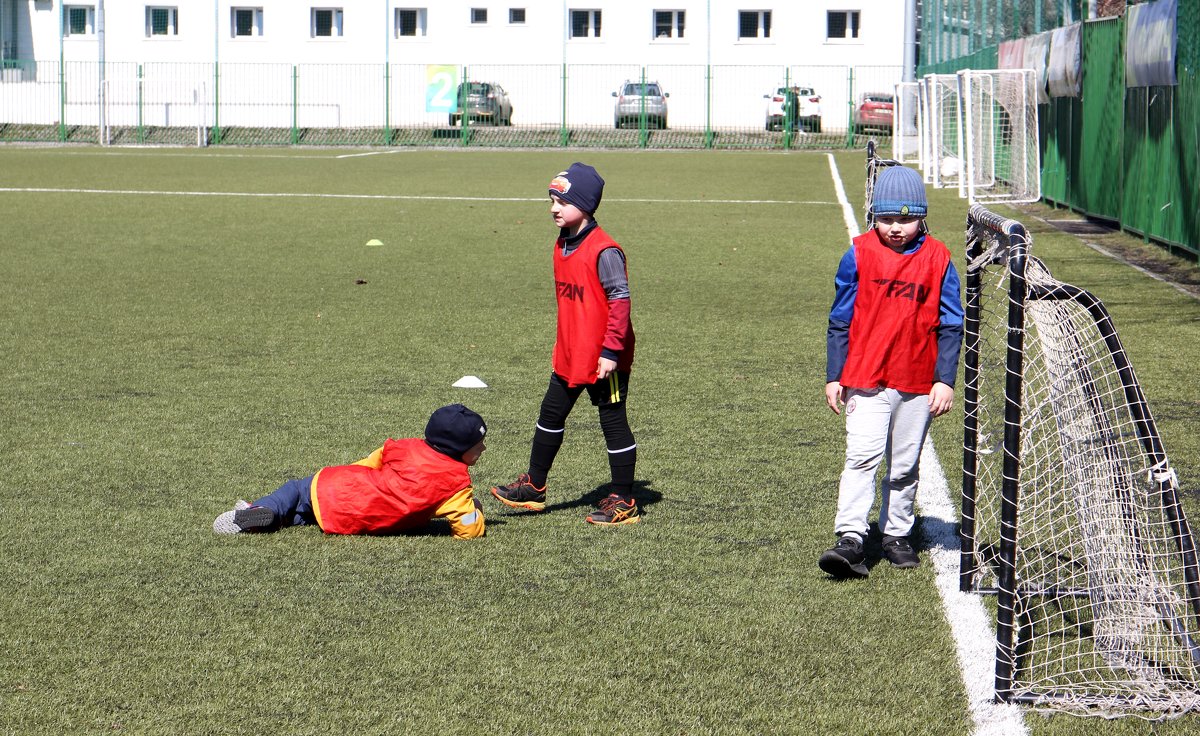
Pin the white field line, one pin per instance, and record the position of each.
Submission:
(974, 639)
(392, 197)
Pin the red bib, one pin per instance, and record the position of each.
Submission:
(413, 482)
(893, 331)
(583, 311)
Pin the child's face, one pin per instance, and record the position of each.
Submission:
(566, 215)
(895, 231)
(471, 456)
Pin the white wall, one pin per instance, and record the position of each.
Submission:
(797, 36)
(528, 59)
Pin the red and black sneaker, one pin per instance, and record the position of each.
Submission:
(521, 494)
(614, 511)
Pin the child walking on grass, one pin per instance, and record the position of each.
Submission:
(401, 486)
(895, 331)
(593, 351)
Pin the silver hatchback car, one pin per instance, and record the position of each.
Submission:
(636, 99)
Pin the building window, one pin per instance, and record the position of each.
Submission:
(479, 15)
(754, 24)
(410, 22)
(79, 20)
(668, 23)
(162, 21)
(585, 24)
(516, 15)
(326, 22)
(841, 24)
(246, 22)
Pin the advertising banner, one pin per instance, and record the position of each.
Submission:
(1063, 72)
(1150, 44)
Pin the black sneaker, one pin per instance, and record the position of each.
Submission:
(244, 518)
(614, 511)
(844, 559)
(899, 552)
(521, 494)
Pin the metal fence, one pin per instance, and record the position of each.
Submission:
(1130, 155)
(397, 105)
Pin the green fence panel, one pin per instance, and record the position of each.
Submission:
(1164, 200)
(1096, 189)
(1134, 204)
(1055, 142)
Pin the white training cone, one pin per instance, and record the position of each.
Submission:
(469, 382)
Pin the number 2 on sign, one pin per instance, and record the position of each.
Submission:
(441, 88)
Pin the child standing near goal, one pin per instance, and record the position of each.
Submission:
(593, 349)
(895, 331)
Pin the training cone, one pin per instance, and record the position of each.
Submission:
(374, 241)
(469, 382)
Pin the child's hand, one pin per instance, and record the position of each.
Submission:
(834, 396)
(604, 366)
(941, 398)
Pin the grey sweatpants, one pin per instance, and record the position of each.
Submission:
(882, 423)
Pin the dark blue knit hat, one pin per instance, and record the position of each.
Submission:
(454, 429)
(579, 185)
(899, 191)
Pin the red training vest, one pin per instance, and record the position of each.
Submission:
(583, 311)
(412, 483)
(893, 331)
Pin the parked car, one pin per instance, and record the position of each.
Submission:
(803, 103)
(635, 99)
(484, 102)
(874, 110)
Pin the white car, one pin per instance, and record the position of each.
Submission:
(806, 113)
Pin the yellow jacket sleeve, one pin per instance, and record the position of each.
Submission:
(374, 460)
(464, 513)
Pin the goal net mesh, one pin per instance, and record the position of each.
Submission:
(1070, 507)
(1000, 135)
(944, 164)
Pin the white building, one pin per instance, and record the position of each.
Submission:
(697, 49)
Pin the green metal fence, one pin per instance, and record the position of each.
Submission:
(1127, 155)
(403, 104)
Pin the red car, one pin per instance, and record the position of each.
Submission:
(874, 110)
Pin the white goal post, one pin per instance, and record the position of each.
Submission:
(906, 124)
(174, 111)
(999, 136)
(1070, 509)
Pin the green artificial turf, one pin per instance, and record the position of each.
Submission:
(169, 347)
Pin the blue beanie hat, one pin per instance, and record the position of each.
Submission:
(454, 429)
(899, 191)
(579, 185)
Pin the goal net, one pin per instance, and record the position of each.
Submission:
(906, 124)
(153, 111)
(999, 136)
(875, 164)
(943, 120)
(1070, 509)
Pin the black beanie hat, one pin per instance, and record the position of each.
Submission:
(454, 429)
(579, 185)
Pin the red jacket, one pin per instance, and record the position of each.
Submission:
(583, 312)
(402, 485)
(893, 333)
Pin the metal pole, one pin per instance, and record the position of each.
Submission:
(910, 40)
(100, 60)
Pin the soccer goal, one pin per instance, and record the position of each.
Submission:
(875, 164)
(1070, 509)
(153, 111)
(944, 122)
(906, 124)
(999, 136)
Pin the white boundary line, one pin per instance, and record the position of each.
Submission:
(393, 197)
(974, 639)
